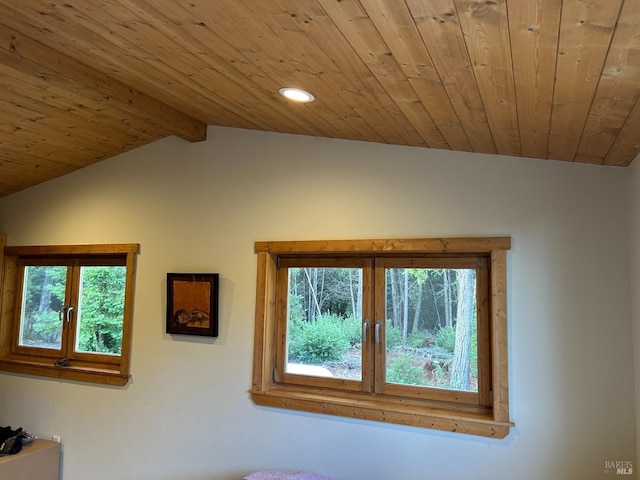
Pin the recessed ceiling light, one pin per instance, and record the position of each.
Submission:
(297, 95)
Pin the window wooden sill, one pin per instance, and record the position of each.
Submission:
(83, 374)
(472, 423)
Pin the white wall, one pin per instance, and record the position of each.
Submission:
(187, 415)
(634, 262)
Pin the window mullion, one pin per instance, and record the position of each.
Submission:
(368, 318)
(72, 303)
(379, 332)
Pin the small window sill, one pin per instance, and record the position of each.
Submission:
(103, 376)
(480, 423)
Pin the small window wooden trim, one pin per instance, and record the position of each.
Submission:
(107, 372)
(491, 421)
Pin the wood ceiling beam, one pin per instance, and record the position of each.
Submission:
(32, 54)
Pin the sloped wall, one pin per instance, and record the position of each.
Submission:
(186, 413)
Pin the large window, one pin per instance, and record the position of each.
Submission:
(405, 331)
(67, 311)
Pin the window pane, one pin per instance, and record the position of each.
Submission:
(431, 333)
(324, 322)
(42, 299)
(101, 309)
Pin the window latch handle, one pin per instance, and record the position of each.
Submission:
(365, 330)
(378, 327)
(65, 313)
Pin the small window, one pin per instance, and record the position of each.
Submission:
(68, 311)
(404, 331)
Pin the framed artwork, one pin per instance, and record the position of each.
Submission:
(192, 303)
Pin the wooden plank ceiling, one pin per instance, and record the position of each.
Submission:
(83, 80)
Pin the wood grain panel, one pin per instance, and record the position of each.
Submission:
(586, 30)
(414, 245)
(176, 122)
(626, 146)
(356, 26)
(284, 69)
(340, 86)
(387, 116)
(395, 24)
(45, 24)
(8, 287)
(486, 32)
(72, 151)
(618, 89)
(219, 73)
(185, 42)
(438, 24)
(83, 80)
(534, 31)
(69, 116)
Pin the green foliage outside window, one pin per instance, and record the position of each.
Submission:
(404, 370)
(44, 293)
(421, 324)
(446, 338)
(46, 328)
(101, 308)
(394, 335)
(322, 340)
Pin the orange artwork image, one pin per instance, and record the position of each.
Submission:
(191, 302)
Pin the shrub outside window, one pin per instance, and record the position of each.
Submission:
(67, 311)
(405, 331)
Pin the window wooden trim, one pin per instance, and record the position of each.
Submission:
(485, 420)
(111, 371)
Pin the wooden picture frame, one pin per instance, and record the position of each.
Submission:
(192, 304)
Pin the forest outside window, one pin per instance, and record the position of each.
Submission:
(66, 311)
(404, 331)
